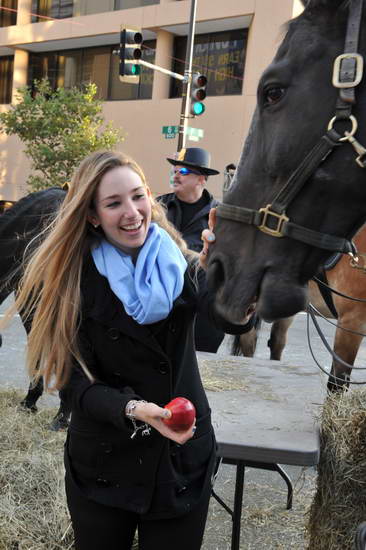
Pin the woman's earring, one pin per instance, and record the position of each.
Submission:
(96, 225)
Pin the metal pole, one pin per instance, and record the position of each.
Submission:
(186, 90)
(161, 69)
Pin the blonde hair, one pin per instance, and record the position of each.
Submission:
(49, 293)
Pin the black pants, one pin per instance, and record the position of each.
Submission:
(98, 527)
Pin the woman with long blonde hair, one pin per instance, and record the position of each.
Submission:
(113, 292)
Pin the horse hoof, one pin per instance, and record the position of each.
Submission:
(26, 406)
(334, 387)
(59, 423)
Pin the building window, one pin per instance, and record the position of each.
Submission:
(70, 68)
(125, 4)
(143, 90)
(43, 65)
(220, 56)
(88, 7)
(6, 78)
(42, 10)
(8, 12)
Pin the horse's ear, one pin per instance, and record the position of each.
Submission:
(333, 4)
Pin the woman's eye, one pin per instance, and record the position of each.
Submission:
(273, 95)
(137, 197)
(113, 204)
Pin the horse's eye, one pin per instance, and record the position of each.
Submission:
(273, 95)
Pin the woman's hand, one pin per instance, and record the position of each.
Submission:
(208, 238)
(153, 414)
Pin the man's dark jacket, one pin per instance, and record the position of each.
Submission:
(191, 232)
(149, 475)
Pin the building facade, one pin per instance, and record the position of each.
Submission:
(71, 42)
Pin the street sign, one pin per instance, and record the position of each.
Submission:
(194, 134)
(170, 131)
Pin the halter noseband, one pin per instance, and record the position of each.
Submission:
(272, 219)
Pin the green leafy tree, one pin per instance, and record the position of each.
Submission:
(59, 128)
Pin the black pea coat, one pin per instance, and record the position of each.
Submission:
(149, 475)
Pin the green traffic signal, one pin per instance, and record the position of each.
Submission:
(198, 108)
(129, 55)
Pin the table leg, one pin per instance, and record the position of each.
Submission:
(238, 505)
(290, 490)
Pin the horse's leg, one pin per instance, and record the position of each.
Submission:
(34, 393)
(278, 338)
(248, 342)
(60, 421)
(62, 418)
(346, 345)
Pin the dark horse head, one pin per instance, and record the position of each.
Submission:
(270, 258)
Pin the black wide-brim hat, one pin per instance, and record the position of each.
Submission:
(197, 158)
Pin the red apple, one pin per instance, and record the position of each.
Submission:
(183, 414)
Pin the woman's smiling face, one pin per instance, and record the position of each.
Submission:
(123, 209)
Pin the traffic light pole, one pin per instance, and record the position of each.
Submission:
(187, 82)
(161, 69)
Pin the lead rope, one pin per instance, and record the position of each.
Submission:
(311, 314)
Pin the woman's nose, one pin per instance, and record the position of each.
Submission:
(130, 209)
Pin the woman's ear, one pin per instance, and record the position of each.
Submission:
(93, 219)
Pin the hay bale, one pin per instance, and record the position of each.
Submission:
(33, 512)
(340, 499)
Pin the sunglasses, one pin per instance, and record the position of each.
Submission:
(185, 171)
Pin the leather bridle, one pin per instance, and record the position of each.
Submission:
(272, 219)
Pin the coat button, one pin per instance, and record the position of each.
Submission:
(163, 367)
(172, 327)
(107, 448)
(101, 482)
(113, 333)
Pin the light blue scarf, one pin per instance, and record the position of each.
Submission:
(149, 288)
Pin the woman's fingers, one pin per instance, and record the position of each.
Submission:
(154, 415)
(212, 219)
(208, 237)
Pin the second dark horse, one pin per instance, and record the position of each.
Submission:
(20, 230)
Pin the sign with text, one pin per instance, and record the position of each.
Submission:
(170, 131)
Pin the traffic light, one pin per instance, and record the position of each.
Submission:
(129, 55)
(198, 94)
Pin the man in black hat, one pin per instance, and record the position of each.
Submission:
(190, 203)
(188, 208)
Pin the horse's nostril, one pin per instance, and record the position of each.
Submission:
(215, 275)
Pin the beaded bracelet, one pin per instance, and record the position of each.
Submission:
(129, 412)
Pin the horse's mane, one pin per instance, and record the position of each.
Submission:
(30, 206)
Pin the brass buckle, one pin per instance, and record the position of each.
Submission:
(281, 219)
(337, 66)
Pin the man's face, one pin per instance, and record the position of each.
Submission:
(187, 182)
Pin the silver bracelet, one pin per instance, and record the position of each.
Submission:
(129, 412)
